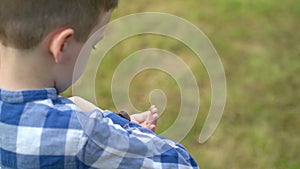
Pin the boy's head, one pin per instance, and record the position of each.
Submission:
(24, 23)
(52, 32)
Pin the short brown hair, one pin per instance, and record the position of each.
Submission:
(24, 23)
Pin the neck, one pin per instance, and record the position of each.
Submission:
(23, 70)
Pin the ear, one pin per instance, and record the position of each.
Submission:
(58, 43)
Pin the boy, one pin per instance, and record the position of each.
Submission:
(40, 42)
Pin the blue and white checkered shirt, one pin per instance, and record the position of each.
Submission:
(39, 129)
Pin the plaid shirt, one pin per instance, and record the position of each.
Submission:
(39, 129)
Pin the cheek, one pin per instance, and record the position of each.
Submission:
(71, 55)
(78, 64)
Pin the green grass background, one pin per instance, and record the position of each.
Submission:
(258, 43)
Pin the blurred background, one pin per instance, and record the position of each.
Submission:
(258, 43)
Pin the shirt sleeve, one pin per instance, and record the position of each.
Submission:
(113, 142)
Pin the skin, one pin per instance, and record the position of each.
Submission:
(50, 65)
(147, 119)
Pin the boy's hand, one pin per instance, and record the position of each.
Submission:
(146, 119)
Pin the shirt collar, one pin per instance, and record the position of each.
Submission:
(27, 95)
